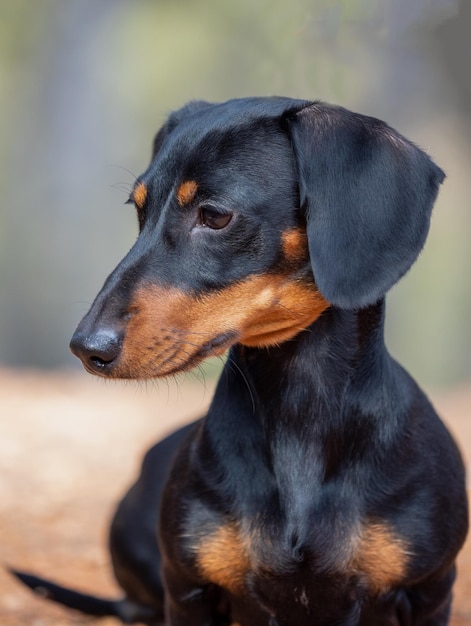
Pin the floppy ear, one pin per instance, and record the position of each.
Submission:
(368, 195)
(173, 120)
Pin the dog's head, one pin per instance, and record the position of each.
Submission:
(255, 216)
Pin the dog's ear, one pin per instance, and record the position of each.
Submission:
(173, 120)
(368, 195)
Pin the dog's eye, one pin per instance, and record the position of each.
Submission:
(213, 219)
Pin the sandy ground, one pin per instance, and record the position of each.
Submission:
(69, 447)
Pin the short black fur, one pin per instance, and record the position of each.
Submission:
(321, 488)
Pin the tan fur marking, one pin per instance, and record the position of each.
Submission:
(186, 192)
(293, 306)
(139, 195)
(295, 246)
(168, 327)
(223, 558)
(381, 557)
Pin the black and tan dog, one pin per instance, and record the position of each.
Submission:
(321, 488)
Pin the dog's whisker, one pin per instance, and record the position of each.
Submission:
(125, 169)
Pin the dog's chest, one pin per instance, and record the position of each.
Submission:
(233, 555)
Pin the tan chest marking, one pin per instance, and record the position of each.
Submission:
(223, 559)
(381, 556)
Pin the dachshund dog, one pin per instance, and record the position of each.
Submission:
(321, 488)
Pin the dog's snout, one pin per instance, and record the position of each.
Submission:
(97, 351)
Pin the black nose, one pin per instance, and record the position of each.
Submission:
(97, 351)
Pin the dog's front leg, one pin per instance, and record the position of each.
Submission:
(189, 604)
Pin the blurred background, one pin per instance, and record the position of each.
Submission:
(86, 84)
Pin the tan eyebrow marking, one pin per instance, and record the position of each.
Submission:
(186, 192)
(139, 195)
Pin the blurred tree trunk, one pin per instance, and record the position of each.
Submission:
(55, 174)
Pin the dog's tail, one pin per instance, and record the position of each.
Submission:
(127, 611)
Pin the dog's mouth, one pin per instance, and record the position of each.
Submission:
(159, 359)
(168, 331)
(220, 343)
(182, 360)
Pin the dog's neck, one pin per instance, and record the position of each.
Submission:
(306, 412)
(332, 388)
(315, 373)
